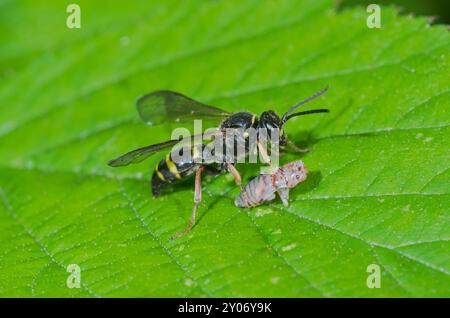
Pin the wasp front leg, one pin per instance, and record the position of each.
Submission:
(296, 148)
(264, 154)
(197, 199)
(236, 175)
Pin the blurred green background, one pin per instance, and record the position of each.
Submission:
(440, 9)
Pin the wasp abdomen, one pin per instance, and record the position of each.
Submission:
(168, 171)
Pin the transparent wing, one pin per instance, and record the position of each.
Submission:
(163, 106)
(140, 154)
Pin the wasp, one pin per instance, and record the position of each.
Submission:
(264, 187)
(165, 106)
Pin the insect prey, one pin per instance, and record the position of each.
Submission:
(263, 188)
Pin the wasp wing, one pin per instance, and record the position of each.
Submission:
(140, 154)
(162, 106)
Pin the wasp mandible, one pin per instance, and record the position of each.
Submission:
(164, 106)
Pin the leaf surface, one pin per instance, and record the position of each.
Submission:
(377, 192)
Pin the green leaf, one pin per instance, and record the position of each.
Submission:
(377, 192)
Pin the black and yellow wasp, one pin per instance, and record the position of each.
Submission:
(164, 106)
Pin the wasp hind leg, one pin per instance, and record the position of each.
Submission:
(197, 199)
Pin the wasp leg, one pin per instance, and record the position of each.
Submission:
(296, 148)
(197, 199)
(283, 151)
(238, 180)
(236, 175)
(263, 152)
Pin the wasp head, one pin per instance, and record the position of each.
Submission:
(272, 122)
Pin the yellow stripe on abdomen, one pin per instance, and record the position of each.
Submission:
(172, 167)
(159, 174)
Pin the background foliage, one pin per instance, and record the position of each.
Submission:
(438, 9)
(378, 187)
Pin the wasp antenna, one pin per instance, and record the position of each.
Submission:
(285, 116)
(307, 112)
